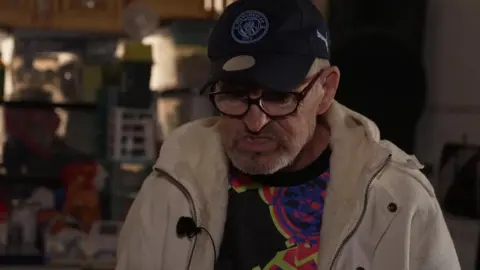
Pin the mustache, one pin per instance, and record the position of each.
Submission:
(249, 136)
(265, 132)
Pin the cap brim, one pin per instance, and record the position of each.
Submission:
(277, 72)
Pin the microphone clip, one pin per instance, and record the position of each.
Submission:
(186, 227)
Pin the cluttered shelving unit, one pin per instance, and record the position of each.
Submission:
(93, 15)
(81, 127)
(61, 206)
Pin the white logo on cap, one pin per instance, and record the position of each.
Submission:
(323, 38)
(249, 27)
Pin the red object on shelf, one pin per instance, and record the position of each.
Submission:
(86, 171)
(82, 198)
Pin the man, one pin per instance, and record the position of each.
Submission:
(32, 147)
(285, 178)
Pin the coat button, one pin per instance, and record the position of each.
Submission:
(392, 207)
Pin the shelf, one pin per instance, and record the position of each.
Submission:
(21, 262)
(7, 181)
(38, 267)
(102, 16)
(84, 106)
(17, 13)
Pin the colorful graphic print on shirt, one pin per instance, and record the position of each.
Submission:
(296, 212)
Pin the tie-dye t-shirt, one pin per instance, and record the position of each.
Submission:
(274, 221)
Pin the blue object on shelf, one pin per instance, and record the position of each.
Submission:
(60, 197)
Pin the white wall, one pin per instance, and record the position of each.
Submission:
(452, 57)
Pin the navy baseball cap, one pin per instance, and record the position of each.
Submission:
(270, 42)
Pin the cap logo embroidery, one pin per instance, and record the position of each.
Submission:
(323, 38)
(249, 27)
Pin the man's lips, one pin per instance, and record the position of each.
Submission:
(256, 144)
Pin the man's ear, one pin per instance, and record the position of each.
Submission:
(330, 79)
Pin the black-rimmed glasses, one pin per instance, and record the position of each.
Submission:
(274, 104)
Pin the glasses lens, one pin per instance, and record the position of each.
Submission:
(231, 98)
(279, 104)
(230, 104)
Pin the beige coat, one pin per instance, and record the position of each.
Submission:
(380, 211)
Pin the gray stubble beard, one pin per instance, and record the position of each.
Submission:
(283, 160)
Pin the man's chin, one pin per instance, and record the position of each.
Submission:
(251, 156)
(259, 163)
(265, 152)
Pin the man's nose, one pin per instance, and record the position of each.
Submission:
(255, 119)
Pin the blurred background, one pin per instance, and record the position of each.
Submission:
(89, 89)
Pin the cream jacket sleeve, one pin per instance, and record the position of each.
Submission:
(148, 240)
(432, 247)
(141, 239)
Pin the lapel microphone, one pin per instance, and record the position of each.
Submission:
(187, 227)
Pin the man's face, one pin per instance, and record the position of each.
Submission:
(256, 144)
